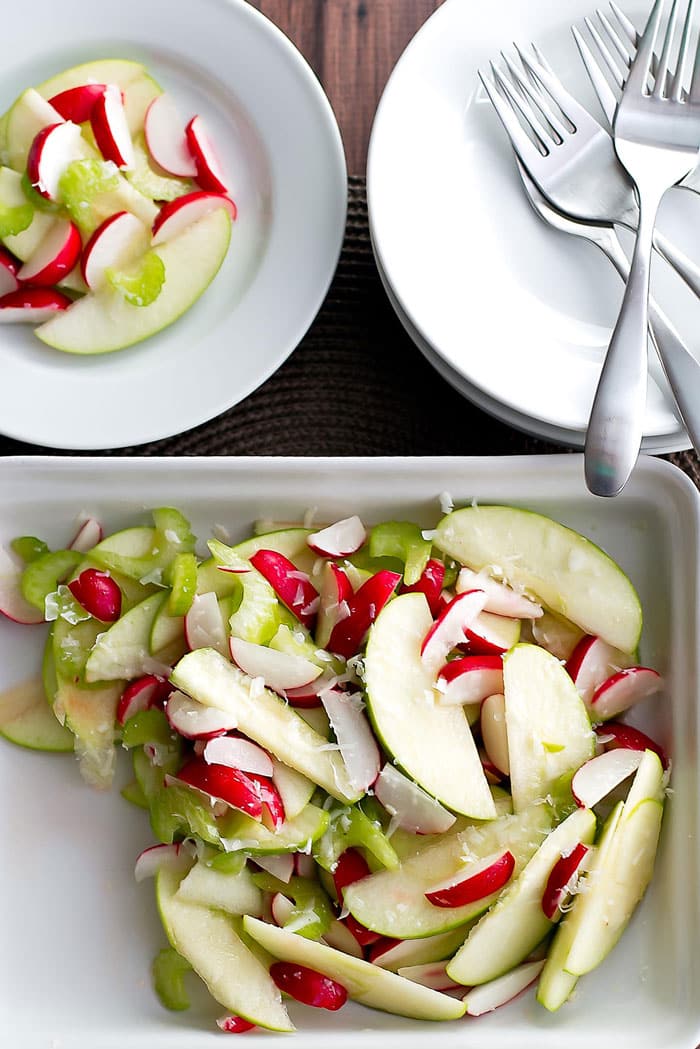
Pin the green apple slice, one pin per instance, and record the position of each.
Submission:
(209, 678)
(516, 923)
(27, 117)
(22, 228)
(393, 903)
(432, 743)
(27, 719)
(233, 893)
(549, 731)
(104, 321)
(241, 833)
(93, 190)
(141, 283)
(123, 651)
(138, 88)
(210, 943)
(565, 571)
(90, 714)
(365, 983)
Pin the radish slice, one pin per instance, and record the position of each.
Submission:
(53, 149)
(164, 130)
(304, 865)
(338, 935)
(8, 273)
(153, 859)
(308, 986)
(204, 624)
(494, 732)
(491, 995)
(12, 603)
(430, 585)
(32, 305)
(358, 747)
(562, 879)
(56, 256)
(591, 663)
(238, 754)
(492, 635)
(500, 599)
(142, 694)
(88, 535)
(195, 721)
(178, 215)
(340, 539)
(111, 129)
(410, 807)
(351, 866)
(594, 780)
(210, 174)
(430, 974)
(623, 690)
(614, 734)
(234, 1024)
(224, 784)
(365, 605)
(279, 670)
(280, 867)
(335, 595)
(470, 680)
(449, 628)
(98, 593)
(483, 878)
(113, 244)
(281, 907)
(309, 696)
(77, 103)
(293, 588)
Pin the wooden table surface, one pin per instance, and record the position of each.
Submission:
(352, 45)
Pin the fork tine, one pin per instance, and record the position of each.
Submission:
(519, 140)
(612, 64)
(683, 54)
(570, 109)
(539, 56)
(614, 38)
(606, 95)
(528, 114)
(639, 71)
(662, 71)
(536, 99)
(627, 27)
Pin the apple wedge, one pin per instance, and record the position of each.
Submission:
(565, 571)
(139, 89)
(233, 893)
(104, 321)
(27, 719)
(365, 983)
(29, 228)
(432, 743)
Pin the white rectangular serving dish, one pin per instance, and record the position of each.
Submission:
(78, 935)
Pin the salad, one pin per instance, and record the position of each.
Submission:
(115, 213)
(380, 763)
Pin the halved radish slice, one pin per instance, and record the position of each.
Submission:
(204, 624)
(308, 986)
(304, 865)
(592, 662)
(449, 629)
(195, 721)
(562, 877)
(492, 635)
(234, 1024)
(273, 814)
(88, 535)
(429, 584)
(224, 784)
(365, 605)
(239, 754)
(430, 974)
(12, 603)
(279, 670)
(500, 599)
(293, 588)
(146, 692)
(358, 747)
(309, 696)
(178, 215)
(282, 908)
(335, 594)
(281, 867)
(210, 174)
(339, 936)
(340, 539)
(115, 243)
(494, 732)
(614, 734)
(52, 150)
(154, 858)
(623, 690)
(409, 806)
(492, 772)
(164, 130)
(111, 128)
(77, 102)
(9, 268)
(98, 593)
(350, 867)
(594, 780)
(470, 680)
(491, 995)
(56, 256)
(32, 305)
(483, 879)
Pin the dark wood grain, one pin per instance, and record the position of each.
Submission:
(352, 45)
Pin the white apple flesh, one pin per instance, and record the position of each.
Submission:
(164, 131)
(56, 256)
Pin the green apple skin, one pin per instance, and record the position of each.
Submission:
(27, 719)
(433, 744)
(233, 893)
(138, 87)
(23, 244)
(208, 940)
(549, 730)
(123, 650)
(565, 571)
(103, 322)
(365, 983)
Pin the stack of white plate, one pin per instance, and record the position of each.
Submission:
(512, 313)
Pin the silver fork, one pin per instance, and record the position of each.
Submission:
(616, 47)
(657, 138)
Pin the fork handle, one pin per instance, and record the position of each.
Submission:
(688, 270)
(616, 424)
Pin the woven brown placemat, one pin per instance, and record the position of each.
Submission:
(355, 386)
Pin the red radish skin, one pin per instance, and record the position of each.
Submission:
(308, 986)
(335, 595)
(279, 670)
(146, 692)
(195, 721)
(110, 245)
(76, 103)
(351, 867)
(487, 637)
(449, 628)
(293, 588)
(490, 876)
(32, 305)
(50, 153)
(492, 773)
(339, 936)
(110, 128)
(98, 593)
(9, 267)
(164, 131)
(210, 174)
(234, 1025)
(615, 734)
(273, 814)
(623, 690)
(88, 535)
(557, 888)
(340, 539)
(365, 605)
(12, 604)
(382, 947)
(55, 258)
(364, 936)
(470, 679)
(178, 215)
(238, 753)
(591, 663)
(598, 776)
(500, 598)
(430, 585)
(224, 784)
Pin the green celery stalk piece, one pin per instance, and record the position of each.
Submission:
(228, 862)
(183, 579)
(169, 970)
(148, 726)
(404, 541)
(349, 827)
(177, 811)
(134, 794)
(14, 220)
(80, 187)
(151, 778)
(29, 548)
(174, 527)
(312, 914)
(140, 284)
(37, 201)
(41, 576)
(152, 183)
